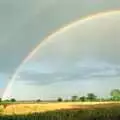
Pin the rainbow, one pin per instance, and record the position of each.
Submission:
(48, 38)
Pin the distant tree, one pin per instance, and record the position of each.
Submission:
(59, 99)
(13, 100)
(38, 100)
(83, 98)
(74, 98)
(0, 99)
(91, 96)
(115, 94)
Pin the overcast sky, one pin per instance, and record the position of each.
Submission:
(25, 23)
(82, 59)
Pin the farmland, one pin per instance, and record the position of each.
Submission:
(89, 107)
(43, 107)
(62, 111)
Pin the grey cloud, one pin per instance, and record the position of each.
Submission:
(25, 23)
(81, 58)
(82, 73)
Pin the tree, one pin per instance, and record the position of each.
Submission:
(74, 98)
(115, 94)
(59, 99)
(82, 98)
(38, 100)
(13, 100)
(0, 99)
(91, 97)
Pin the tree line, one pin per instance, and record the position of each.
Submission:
(11, 100)
(114, 96)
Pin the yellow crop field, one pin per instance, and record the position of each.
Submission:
(43, 107)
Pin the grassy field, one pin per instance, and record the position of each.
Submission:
(62, 111)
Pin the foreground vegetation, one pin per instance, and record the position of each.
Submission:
(95, 112)
(88, 107)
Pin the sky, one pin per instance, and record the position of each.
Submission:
(25, 23)
(76, 61)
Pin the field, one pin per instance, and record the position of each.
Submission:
(62, 111)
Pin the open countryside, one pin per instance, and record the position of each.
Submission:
(84, 107)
